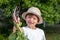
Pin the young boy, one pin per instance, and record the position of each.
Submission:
(32, 17)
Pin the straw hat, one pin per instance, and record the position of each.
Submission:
(34, 11)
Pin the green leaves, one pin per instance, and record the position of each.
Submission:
(1, 37)
(12, 36)
(49, 8)
(18, 35)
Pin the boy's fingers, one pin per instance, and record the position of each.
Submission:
(15, 19)
(14, 29)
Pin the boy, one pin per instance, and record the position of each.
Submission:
(32, 17)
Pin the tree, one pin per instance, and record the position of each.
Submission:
(50, 8)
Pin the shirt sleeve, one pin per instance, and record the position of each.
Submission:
(24, 30)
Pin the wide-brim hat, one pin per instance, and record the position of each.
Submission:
(35, 11)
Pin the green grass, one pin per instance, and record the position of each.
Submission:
(52, 36)
(52, 33)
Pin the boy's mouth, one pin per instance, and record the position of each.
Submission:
(30, 22)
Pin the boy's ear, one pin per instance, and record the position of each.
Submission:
(38, 21)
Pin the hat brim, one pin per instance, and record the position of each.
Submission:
(40, 18)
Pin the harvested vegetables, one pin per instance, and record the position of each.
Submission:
(18, 35)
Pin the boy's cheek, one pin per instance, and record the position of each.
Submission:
(27, 19)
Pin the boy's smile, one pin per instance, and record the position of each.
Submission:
(30, 22)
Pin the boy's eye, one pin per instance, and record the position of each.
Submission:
(34, 18)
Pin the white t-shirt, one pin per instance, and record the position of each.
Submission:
(31, 34)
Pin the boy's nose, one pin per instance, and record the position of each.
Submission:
(31, 19)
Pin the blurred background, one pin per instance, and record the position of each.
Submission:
(50, 10)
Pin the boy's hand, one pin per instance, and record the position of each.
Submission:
(14, 29)
(17, 20)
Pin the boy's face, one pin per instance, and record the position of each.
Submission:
(31, 20)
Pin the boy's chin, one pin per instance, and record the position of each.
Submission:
(31, 25)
